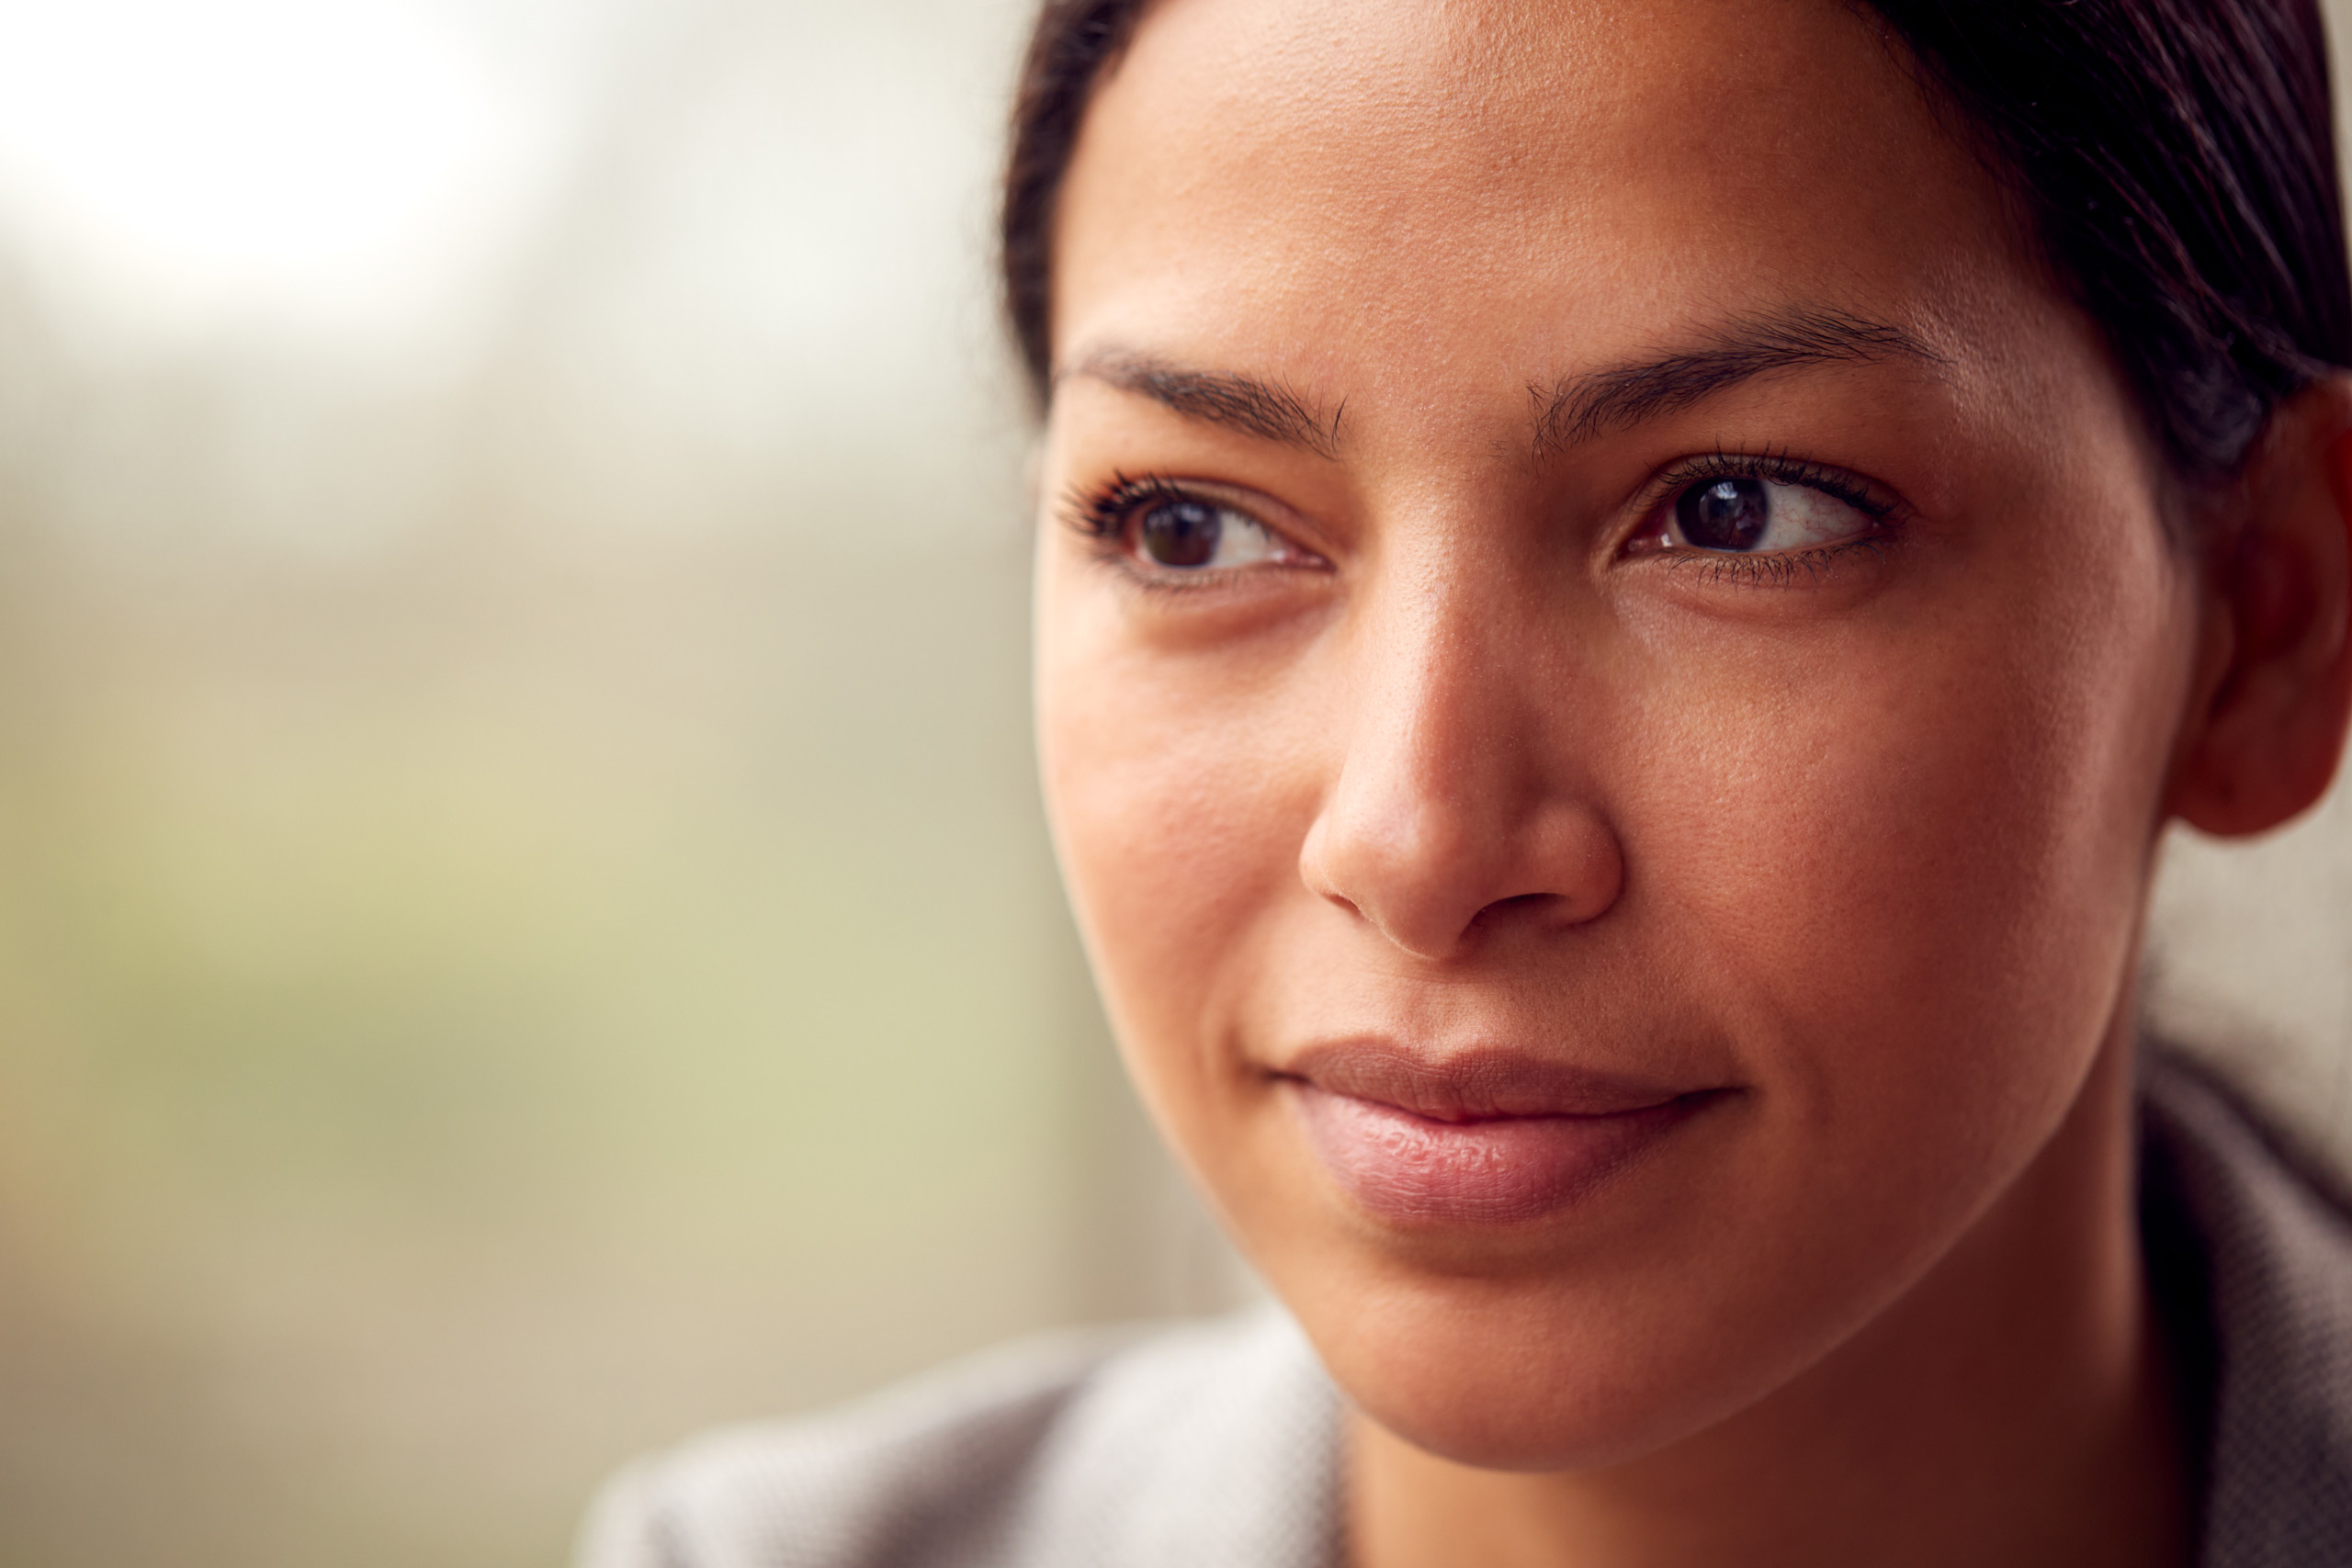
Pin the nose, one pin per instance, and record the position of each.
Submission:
(1454, 813)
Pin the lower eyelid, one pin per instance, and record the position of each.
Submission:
(1775, 568)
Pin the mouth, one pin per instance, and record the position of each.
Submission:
(1479, 1137)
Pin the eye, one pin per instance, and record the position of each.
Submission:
(1168, 530)
(1740, 513)
(1187, 533)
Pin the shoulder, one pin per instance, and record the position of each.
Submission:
(2272, 1241)
(1207, 1443)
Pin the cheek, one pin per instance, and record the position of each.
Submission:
(1179, 798)
(1906, 871)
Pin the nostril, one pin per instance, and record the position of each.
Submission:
(1503, 910)
(1341, 900)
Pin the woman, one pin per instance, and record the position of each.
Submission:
(1626, 595)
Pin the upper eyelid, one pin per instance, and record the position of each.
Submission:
(1084, 501)
(1879, 502)
(1884, 507)
(1874, 498)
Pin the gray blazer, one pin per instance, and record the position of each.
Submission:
(1216, 1445)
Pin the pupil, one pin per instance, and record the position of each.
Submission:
(1181, 532)
(1725, 514)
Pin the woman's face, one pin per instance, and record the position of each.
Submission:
(1607, 664)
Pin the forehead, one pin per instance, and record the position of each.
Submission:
(1473, 190)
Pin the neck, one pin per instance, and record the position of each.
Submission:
(2012, 1408)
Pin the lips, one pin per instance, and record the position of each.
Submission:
(1481, 1137)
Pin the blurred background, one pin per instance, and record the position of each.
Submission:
(524, 926)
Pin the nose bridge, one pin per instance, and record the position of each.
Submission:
(1432, 754)
(1426, 822)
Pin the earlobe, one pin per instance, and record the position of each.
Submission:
(2274, 690)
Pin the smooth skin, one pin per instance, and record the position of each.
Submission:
(1458, 743)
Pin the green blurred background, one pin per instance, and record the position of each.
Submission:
(524, 926)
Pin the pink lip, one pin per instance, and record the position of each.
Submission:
(1484, 1137)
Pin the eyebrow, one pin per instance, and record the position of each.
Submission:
(1254, 406)
(1580, 406)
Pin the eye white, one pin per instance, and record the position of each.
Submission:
(1740, 513)
(1244, 541)
(1180, 534)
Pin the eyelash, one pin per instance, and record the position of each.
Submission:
(1781, 569)
(1780, 469)
(1101, 514)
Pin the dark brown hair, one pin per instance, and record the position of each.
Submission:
(2179, 157)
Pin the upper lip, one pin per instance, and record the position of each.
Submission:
(1478, 1084)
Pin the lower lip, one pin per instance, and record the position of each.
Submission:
(1412, 1169)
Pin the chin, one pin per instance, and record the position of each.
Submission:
(1505, 1384)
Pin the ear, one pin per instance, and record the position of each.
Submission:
(2274, 681)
